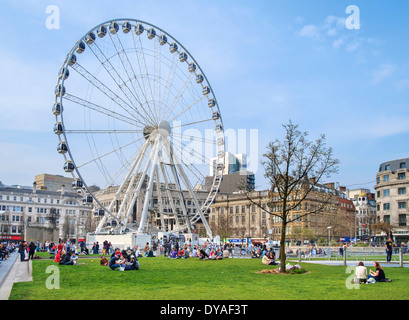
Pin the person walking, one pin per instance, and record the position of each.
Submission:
(389, 248)
(21, 250)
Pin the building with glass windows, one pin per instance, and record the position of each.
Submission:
(392, 195)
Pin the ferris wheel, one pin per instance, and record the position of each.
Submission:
(135, 113)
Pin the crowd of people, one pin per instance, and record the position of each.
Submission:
(6, 249)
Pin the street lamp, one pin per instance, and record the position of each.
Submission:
(329, 237)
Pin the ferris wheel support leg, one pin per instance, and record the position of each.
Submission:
(140, 183)
(137, 161)
(159, 196)
(131, 184)
(188, 186)
(179, 188)
(169, 193)
(198, 208)
(148, 194)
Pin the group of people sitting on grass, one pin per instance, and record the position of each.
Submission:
(123, 260)
(269, 258)
(66, 258)
(362, 276)
(203, 253)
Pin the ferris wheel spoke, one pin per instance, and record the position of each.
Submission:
(193, 138)
(144, 71)
(129, 70)
(169, 82)
(199, 175)
(101, 131)
(191, 123)
(110, 152)
(117, 78)
(98, 108)
(187, 108)
(105, 90)
(182, 90)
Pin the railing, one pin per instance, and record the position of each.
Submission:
(399, 255)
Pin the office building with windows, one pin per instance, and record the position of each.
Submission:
(392, 195)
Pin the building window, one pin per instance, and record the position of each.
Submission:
(387, 167)
(401, 175)
(401, 190)
(402, 220)
(402, 205)
(402, 165)
(386, 178)
(378, 194)
(243, 209)
(386, 206)
(386, 192)
(387, 218)
(237, 209)
(378, 180)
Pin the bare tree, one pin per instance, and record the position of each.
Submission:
(289, 166)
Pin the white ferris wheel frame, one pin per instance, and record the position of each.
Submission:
(158, 142)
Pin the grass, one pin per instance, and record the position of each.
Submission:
(192, 279)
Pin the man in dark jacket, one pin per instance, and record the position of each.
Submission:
(32, 249)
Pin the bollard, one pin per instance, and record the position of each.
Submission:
(401, 257)
(299, 255)
(345, 256)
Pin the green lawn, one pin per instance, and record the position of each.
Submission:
(192, 279)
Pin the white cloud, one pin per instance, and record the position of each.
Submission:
(309, 31)
(337, 43)
(383, 72)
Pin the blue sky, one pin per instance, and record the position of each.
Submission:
(267, 61)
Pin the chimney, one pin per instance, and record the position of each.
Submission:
(342, 189)
(34, 187)
(62, 189)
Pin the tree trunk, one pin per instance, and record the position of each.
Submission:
(282, 247)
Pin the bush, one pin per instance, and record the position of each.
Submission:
(296, 269)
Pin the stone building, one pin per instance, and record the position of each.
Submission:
(256, 215)
(392, 195)
(21, 208)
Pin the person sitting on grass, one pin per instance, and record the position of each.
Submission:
(133, 264)
(378, 274)
(181, 253)
(114, 262)
(360, 273)
(104, 261)
(65, 258)
(219, 254)
(74, 259)
(203, 255)
(57, 257)
(174, 254)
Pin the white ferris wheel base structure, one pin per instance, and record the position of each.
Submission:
(158, 141)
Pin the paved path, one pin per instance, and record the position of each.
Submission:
(13, 270)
